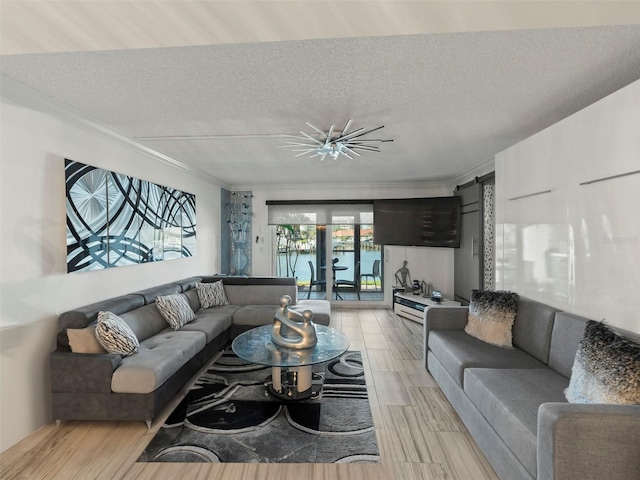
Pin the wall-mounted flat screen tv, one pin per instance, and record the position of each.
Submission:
(425, 222)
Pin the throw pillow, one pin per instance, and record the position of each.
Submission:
(84, 340)
(606, 368)
(212, 294)
(175, 309)
(491, 317)
(115, 335)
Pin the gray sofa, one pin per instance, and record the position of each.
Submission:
(513, 403)
(104, 386)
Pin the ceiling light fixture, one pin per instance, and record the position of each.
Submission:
(334, 143)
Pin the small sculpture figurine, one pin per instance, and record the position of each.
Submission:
(404, 279)
(293, 329)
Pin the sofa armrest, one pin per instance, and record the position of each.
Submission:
(445, 318)
(581, 442)
(80, 372)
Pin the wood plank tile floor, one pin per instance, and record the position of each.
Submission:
(419, 434)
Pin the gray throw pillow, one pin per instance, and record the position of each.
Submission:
(175, 309)
(606, 368)
(491, 317)
(115, 335)
(212, 294)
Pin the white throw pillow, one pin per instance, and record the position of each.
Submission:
(175, 309)
(115, 335)
(212, 294)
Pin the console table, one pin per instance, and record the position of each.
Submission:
(412, 306)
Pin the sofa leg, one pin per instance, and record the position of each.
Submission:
(148, 422)
(58, 423)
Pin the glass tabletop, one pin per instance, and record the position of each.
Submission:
(256, 346)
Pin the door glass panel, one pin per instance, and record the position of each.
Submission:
(302, 253)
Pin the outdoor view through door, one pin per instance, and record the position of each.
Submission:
(352, 271)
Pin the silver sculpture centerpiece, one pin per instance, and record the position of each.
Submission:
(292, 329)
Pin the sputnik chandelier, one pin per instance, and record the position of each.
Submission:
(334, 143)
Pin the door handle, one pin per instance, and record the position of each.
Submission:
(473, 247)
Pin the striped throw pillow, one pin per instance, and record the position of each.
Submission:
(115, 335)
(211, 294)
(175, 309)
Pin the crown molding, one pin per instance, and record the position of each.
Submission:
(485, 167)
(343, 186)
(26, 96)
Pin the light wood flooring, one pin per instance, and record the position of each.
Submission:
(419, 434)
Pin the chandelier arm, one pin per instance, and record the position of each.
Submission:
(348, 135)
(368, 131)
(316, 129)
(298, 144)
(346, 154)
(330, 133)
(346, 127)
(305, 152)
(365, 148)
(315, 140)
(351, 150)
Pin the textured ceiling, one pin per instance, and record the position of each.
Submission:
(450, 101)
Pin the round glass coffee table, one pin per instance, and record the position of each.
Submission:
(292, 377)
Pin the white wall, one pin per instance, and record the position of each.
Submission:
(35, 287)
(578, 246)
(434, 265)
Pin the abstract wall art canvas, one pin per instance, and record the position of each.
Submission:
(115, 220)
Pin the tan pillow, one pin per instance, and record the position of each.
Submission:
(491, 317)
(83, 340)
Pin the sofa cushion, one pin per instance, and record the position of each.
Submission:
(145, 321)
(85, 316)
(175, 309)
(193, 299)
(255, 315)
(568, 330)
(491, 315)
(532, 328)
(321, 310)
(115, 335)
(509, 400)
(159, 357)
(606, 368)
(266, 294)
(209, 322)
(456, 350)
(84, 340)
(211, 294)
(150, 294)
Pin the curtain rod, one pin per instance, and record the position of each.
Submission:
(319, 202)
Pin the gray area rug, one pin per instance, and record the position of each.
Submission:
(228, 416)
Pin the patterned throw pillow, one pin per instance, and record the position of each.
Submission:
(606, 368)
(212, 294)
(491, 317)
(175, 309)
(115, 335)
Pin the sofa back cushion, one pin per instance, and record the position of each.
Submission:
(256, 290)
(145, 321)
(532, 328)
(568, 331)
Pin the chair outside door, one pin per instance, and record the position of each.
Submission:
(353, 284)
(375, 273)
(313, 281)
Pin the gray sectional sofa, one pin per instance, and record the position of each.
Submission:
(513, 402)
(88, 384)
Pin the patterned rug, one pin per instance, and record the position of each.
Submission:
(228, 416)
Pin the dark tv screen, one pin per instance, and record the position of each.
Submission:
(425, 222)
